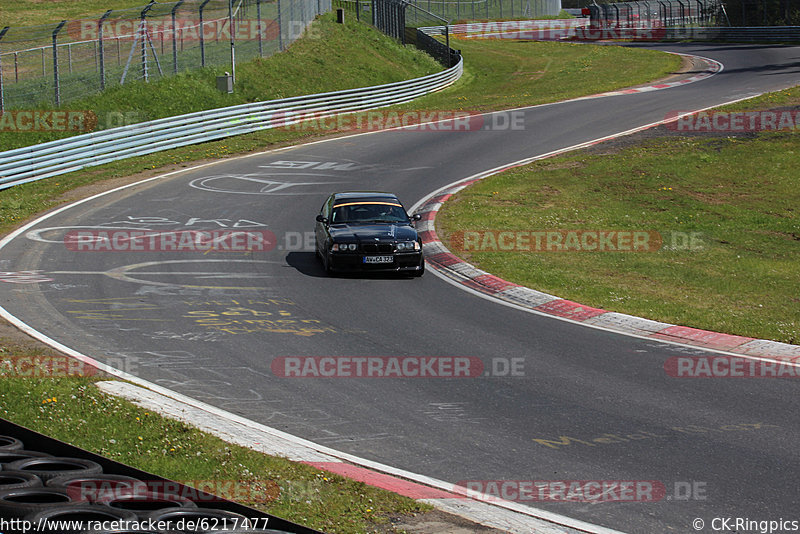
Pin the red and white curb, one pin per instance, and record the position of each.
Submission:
(507, 516)
(482, 282)
(532, 31)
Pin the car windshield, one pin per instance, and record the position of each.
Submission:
(368, 212)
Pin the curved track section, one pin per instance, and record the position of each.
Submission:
(583, 404)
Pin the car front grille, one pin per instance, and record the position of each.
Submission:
(378, 248)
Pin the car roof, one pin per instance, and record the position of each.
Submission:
(365, 195)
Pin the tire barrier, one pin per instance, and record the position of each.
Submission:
(91, 488)
(80, 513)
(7, 457)
(204, 520)
(52, 467)
(18, 503)
(8, 443)
(11, 480)
(144, 504)
(57, 485)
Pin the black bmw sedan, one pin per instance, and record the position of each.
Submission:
(368, 231)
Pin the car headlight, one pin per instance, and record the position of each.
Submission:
(405, 246)
(344, 247)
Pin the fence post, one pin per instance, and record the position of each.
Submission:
(259, 29)
(280, 27)
(232, 31)
(145, 38)
(55, 62)
(2, 94)
(101, 50)
(202, 39)
(175, 37)
(682, 13)
(447, 44)
(291, 21)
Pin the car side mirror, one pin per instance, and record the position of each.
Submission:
(322, 219)
(416, 217)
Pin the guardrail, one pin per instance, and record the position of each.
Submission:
(540, 30)
(55, 158)
(580, 29)
(777, 34)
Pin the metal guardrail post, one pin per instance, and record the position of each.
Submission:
(55, 63)
(101, 51)
(2, 93)
(173, 15)
(202, 39)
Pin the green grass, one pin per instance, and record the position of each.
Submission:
(739, 195)
(331, 57)
(79, 414)
(36, 12)
(75, 411)
(501, 74)
(497, 75)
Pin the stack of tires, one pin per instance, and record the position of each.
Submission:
(44, 493)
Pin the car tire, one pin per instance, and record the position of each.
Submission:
(8, 443)
(326, 262)
(85, 513)
(145, 504)
(92, 487)
(10, 480)
(209, 515)
(8, 457)
(25, 501)
(56, 466)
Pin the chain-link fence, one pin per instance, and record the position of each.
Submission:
(656, 13)
(46, 65)
(490, 9)
(456, 10)
(763, 12)
(401, 20)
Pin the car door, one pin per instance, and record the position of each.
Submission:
(321, 228)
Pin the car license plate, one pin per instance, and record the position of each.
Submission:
(378, 259)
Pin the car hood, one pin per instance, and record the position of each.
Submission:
(368, 232)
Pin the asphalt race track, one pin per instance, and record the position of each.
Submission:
(210, 325)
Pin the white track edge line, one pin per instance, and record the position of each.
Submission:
(492, 298)
(5, 314)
